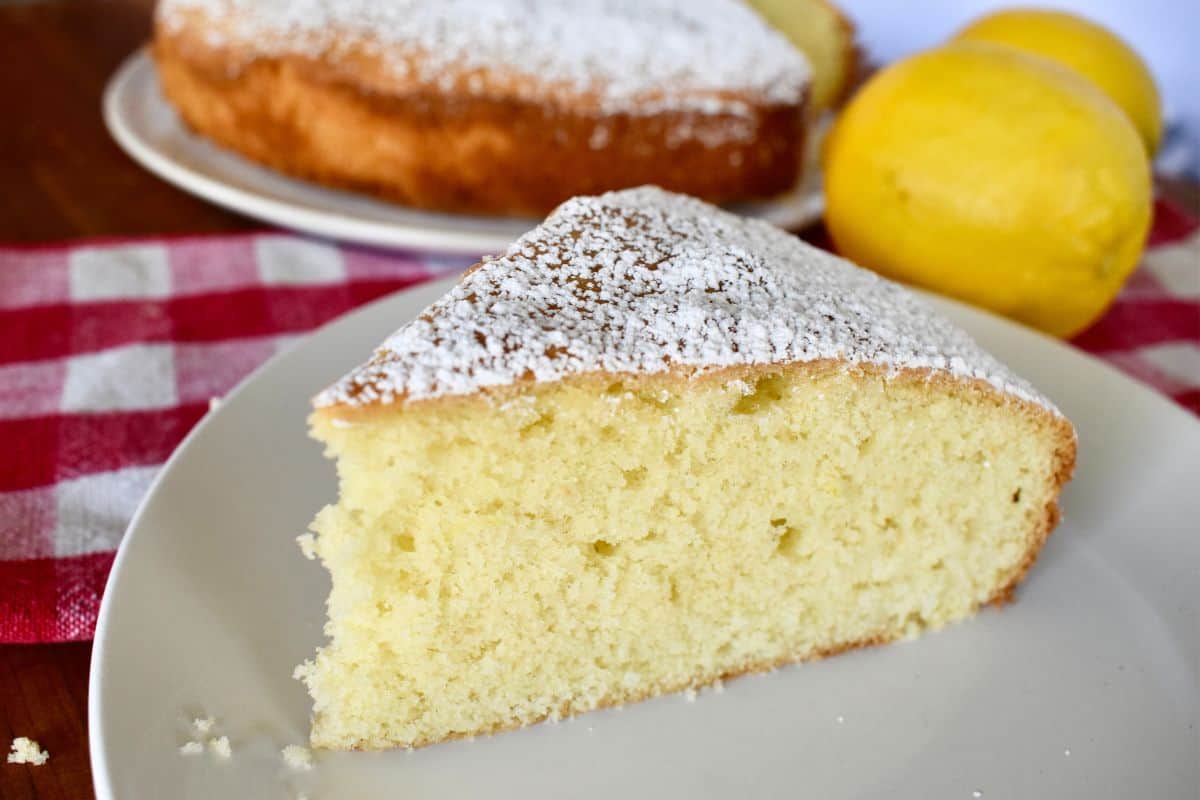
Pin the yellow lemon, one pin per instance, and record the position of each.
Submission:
(1094, 52)
(819, 30)
(993, 176)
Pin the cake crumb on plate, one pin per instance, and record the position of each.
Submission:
(27, 751)
(308, 546)
(297, 757)
(220, 747)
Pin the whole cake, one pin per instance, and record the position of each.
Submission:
(650, 446)
(498, 106)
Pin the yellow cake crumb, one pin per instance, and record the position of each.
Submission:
(27, 751)
(220, 747)
(308, 545)
(297, 757)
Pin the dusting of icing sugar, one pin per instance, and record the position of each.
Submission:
(643, 280)
(639, 56)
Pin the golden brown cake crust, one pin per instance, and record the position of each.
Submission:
(454, 151)
(1064, 457)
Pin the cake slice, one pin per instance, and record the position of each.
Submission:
(651, 446)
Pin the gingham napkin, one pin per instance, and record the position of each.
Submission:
(111, 351)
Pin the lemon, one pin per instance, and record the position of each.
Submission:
(993, 176)
(1091, 50)
(819, 30)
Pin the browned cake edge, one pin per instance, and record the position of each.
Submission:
(1043, 524)
(457, 152)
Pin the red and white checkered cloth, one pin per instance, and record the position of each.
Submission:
(111, 351)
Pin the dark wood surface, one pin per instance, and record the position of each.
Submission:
(61, 177)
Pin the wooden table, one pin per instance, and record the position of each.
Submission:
(63, 178)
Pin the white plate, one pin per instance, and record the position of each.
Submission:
(1086, 687)
(150, 131)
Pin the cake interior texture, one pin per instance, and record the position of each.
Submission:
(547, 548)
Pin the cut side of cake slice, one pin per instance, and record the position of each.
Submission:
(651, 446)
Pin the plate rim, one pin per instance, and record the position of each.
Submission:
(330, 224)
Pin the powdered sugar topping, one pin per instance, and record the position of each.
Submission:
(643, 280)
(639, 56)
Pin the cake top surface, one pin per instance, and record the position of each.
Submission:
(643, 281)
(625, 54)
